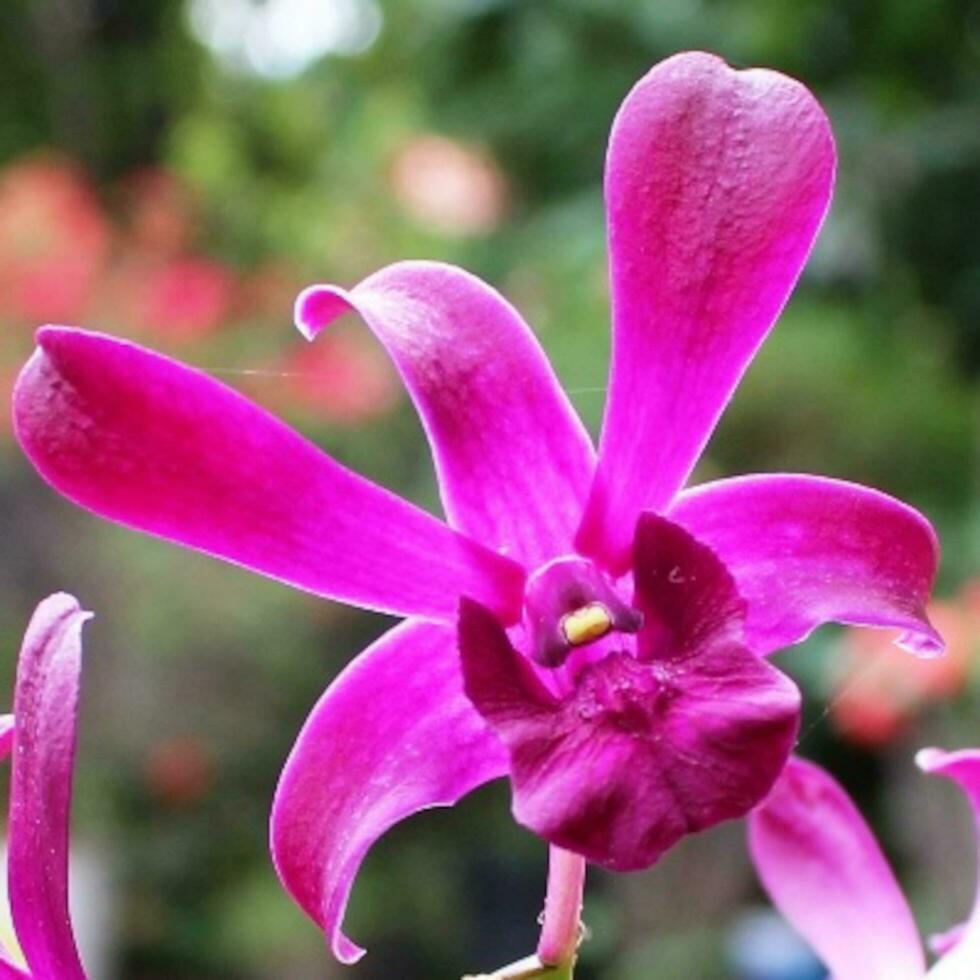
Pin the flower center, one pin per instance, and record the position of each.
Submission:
(569, 603)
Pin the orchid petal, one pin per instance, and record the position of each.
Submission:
(149, 443)
(644, 750)
(394, 734)
(514, 461)
(961, 959)
(716, 184)
(46, 709)
(824, 870)
(806, 550)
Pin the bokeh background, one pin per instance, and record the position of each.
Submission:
(174, 170)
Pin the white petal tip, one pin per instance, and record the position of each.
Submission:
(928, 760)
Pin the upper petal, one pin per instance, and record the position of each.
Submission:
(394, 734)
(46, 709)
(807, 550)
(961, 951)
(641, 751)
(147, 442)
(514, 461)
(820, 864)
(716, 183)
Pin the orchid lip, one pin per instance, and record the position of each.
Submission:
(619, 753)
(569, 603)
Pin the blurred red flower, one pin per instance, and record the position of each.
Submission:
(158, 211)
(173, 299)
(54, 240)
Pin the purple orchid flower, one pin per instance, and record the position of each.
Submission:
(824, 870)
(42, 735)
(580, 623)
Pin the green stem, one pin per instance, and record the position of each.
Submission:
(561, 925)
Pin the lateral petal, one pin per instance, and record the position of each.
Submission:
(155, 445)
(514, 461)
(392, 735)
(716, 184)
(824, 870)
(46, 709)
(807, 550)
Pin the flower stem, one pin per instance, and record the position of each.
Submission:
(561, 927)
(527, 969)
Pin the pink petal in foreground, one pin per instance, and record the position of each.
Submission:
(961, 959)
(394, 734)
(806, 550)
(716, 184)
(46, 709)
(147, 442)
(643, 750)
(825, 872)
(514, 461)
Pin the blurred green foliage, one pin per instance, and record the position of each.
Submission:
(872, 375)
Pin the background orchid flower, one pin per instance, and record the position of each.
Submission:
(598, 596)
(42, 735)
(823, 868)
